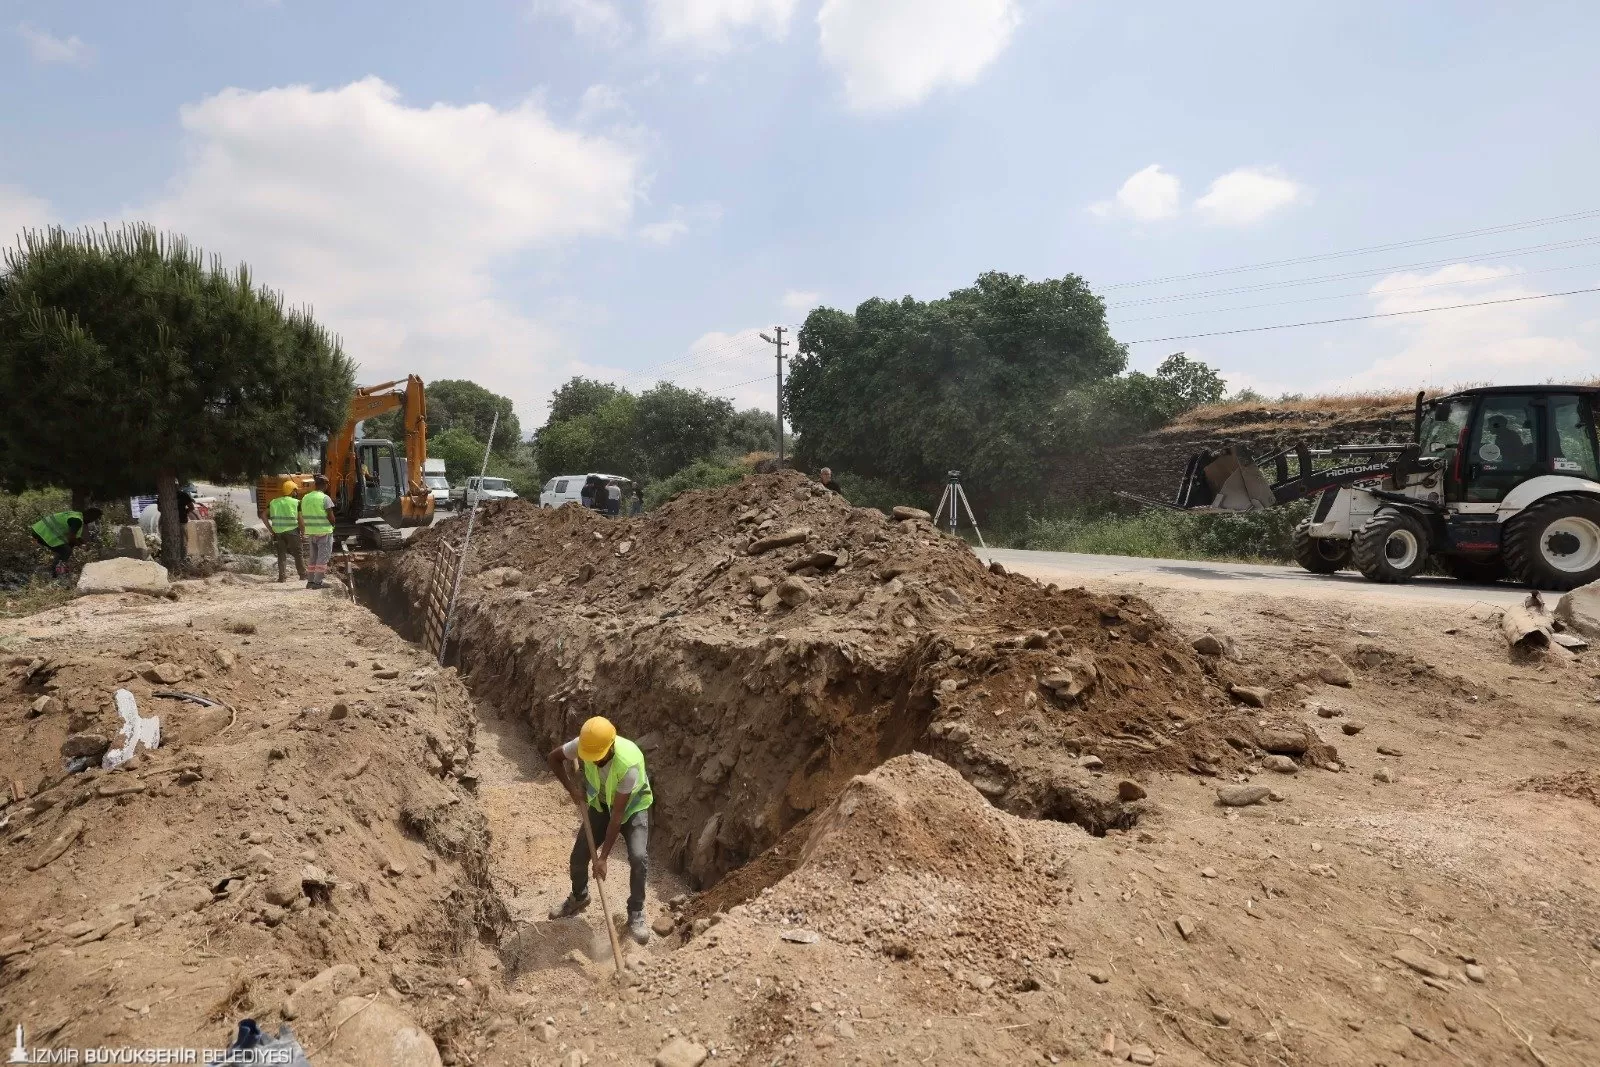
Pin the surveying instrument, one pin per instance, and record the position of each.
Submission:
(953, 495)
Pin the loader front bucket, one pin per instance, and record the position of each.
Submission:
(1227, 480)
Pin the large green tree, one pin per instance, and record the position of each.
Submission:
(128, 360)
(904, 390)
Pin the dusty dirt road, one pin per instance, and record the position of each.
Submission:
(1425, 891)
(1073, 568)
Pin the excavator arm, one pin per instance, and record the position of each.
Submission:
(369, 402)
(414, 506)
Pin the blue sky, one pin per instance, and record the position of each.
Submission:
(519, 191)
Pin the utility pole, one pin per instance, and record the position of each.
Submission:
(778, 342)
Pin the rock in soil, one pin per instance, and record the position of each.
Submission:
(1241, 796)
(1254, 695)
(1337, 672)
(1422, 964)
(1351, 727)
(371, 1033)
(1128, 791)
(1281, 764)
(681, 1052)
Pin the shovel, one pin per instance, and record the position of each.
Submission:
(600, 885)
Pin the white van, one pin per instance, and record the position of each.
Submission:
(568, 489)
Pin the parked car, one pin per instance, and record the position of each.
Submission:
(568, 489)
(433, 476)
(475, 489)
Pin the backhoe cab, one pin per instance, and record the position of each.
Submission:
(1497, 482)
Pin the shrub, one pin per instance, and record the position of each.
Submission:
(1260, 536)
(701, 474)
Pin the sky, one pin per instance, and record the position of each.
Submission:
(518, 191)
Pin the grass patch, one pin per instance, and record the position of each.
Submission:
(1249, 537)
(38, 595)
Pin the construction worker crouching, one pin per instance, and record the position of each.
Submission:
(61, 532)
(283, 516)
(618, 803)
(316, 526)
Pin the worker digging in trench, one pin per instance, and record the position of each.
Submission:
(618, 804)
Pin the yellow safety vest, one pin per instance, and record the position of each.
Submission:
(624, 756)
(53, 529)
(314, 507)
(284, 514)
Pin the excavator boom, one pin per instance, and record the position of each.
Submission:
(351, 477)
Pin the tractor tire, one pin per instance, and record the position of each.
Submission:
(1391, 547)
(1477, 571)
(1320, 555)
(1555, 543)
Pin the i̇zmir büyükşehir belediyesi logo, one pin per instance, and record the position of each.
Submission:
(19, 1052)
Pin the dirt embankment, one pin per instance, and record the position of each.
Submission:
(1153, 463)
(767, 642)
(316, 814)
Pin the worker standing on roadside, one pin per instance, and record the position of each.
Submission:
(316, 526)
(283, 515)
(61, 532)
(619, 799)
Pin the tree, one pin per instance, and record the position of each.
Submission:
(462, 453)
(904, 390)
(128, 359)
(603, 440)
(677, 426)
(457, 404)
(580, 397)
(751, 430)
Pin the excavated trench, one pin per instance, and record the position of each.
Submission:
(754, 716)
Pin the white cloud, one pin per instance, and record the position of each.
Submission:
(712, 24)
(20, 211)
(389, 219)
(680, 221)
(663, 232)
(599, 100)
(600, 19)
(46, 47)
(800, 301)
(1149, 195)
(895, 53)
(1247, 195)
(1503, 343)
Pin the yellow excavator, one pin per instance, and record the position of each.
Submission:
(375, 492)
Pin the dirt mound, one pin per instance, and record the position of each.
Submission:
(1578, 785)
(767, 642)
(303, 817)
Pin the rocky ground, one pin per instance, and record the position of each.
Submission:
(922, 813)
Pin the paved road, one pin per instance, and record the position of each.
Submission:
(1072, 567)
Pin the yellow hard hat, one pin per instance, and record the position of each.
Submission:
(287, 488)
(594, 740)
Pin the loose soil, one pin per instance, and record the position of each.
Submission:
(891, 823)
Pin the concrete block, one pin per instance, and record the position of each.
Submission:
(131, 543)
(200, 539)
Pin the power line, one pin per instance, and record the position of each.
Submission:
(1549, 220)
(1369, 272)
(697, 353)
(1360, 318)
(1364, 292)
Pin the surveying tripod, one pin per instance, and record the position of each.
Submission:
(954, 494)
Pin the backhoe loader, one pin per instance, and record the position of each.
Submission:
(375, 491)
(1497, 482)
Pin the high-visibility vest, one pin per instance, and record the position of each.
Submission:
(314, 508)
(284, 514)
(53, 530)
(625, 755)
